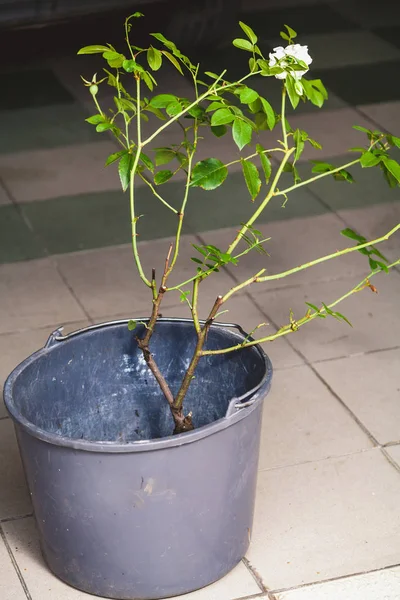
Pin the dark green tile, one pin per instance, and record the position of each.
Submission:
(390, 34)
(95, 220)
(17, 242)
(39, 128)
(32, 88)
(364, 84)
(315, 18)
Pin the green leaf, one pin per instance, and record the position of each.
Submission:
(252, 178)
(291, 91)
(393, 167)
(162, 176)
(321, 167)
(291, 32)
(96, 119)
(148, 79)
(247, 95)
(164, 156)
(209, 174)
(393, 140)
(343, 175)
(125, 169)
(363, 129)
(154, 58)
(130, 66)
(173, 109)
(284, 36)
(221, 117)
(132, 325)
(299, 143)
(249, 32)
(269, 113)
(162, 100)
(243, 44)
(93, 49)
(114, 59)
(184, 295)
(103, 127)
(173, 60)
(146, 160)
(350, 233)
(219, 130)
(265, 162)
(313, 306)
(241, 132)
(369, 159)
(115, 156)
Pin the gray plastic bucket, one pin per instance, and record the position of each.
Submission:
(124, 509)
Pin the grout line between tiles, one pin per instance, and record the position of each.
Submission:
(390, 460)
(318, 460)
(15, 564)
(254, 573)
(339, 578)
(321, 379)
(18, 518)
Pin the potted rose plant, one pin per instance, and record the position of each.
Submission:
(140, 438)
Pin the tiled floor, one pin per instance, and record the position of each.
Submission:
(327, 522)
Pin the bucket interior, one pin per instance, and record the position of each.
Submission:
(96, 385)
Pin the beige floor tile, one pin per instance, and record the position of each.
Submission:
(15, 347)
(374, 316)
(10, 586)
(107, 283)
(305, 240)
(326, 519)
(66, 171)
(385, 114)
(375, 399)
(34, 295)
(14, 496)
(303, 422)
(43, 585)
(243, 312)
(382, 585)
(394, 453)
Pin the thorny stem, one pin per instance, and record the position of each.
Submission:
(195, 299)
(286, 329)
(283, 118)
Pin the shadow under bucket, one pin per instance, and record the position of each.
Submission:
(124, 509)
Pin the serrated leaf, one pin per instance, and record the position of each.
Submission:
(115, 156)
(369, 159)
(146, 160)
(265, 162)
(291, 91)
(105, 126)
(219, 130)
(164, 156)
(173, 60)
(241, 133)
(162, 100)
(173, 109)
(252, 178)
(243, 44)
(131, 65)
(393, 167)
(93, 49)
(162, 177)
(321, 167)
(353, 235)
(299, 143)
(96, 119)
(125, 169)
(269, 113)
(209, 174)
(393, 140)
(132, 325)
(222, 116)
(154, 58)
(249, 32)
(247, 95)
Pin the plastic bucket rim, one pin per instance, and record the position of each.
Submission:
(258, 393)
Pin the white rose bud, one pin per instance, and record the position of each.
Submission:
(296, 51)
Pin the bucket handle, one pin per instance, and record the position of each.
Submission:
(57, 335)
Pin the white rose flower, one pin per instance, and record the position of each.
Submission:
(297, 51)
